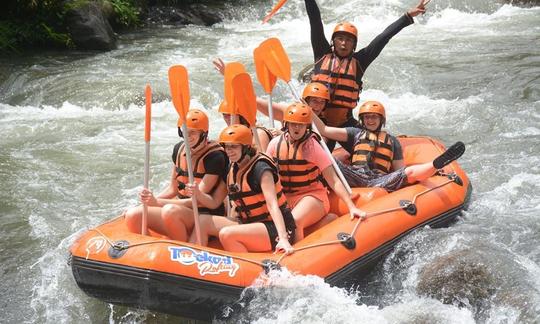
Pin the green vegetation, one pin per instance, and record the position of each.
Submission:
(126, 12)
(40, 23)
(29, 23)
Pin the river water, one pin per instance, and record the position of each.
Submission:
(71, 157)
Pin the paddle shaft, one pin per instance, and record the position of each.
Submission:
(144, 225)
(257, 139)
(190, 177)
(325, 147)
(270, 111)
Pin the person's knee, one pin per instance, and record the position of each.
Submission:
(132, 218)
(226, 235)
(169, 212)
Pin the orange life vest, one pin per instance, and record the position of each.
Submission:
(251, 206)
(297, 175)
(198, 166)
(375, 151)
(343, 82)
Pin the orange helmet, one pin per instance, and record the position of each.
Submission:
(298, 113)
(236, 134)
(373, 107)
(316, 89)
(196, 119)
(345, 27)
(223, 107)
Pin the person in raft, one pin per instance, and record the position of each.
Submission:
(340, 68)
(315, 95)
(377, 157)
(170, 213)
(302, 165)
(265, 134)
(261, 220)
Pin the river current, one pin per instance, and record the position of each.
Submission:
(72, 149)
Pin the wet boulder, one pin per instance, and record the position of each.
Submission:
(88, 26)
(460, 278)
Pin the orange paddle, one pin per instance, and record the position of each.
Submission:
(179, 84)
(246, 102)
(266, 79)
(231, 70)
(274, 10)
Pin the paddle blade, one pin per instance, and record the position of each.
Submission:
(179, 84)
(148, 116)
(265, 77)
(274, 10)
(244, 96)
(275, 58)
(231, 70)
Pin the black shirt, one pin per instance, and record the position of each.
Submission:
(255, 175)
(366, 55)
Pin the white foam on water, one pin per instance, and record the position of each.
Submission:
(300, 299)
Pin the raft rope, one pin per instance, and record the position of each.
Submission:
(451, 178)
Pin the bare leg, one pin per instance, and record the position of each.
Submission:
(419, 172)
(210, 226)
(178, 221)
(133, 219)
(245, 237)
(325, 220)
(423, 171)
(307, 211)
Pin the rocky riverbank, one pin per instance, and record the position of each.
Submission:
(94, 24)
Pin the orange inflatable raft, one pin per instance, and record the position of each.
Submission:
(152, 272)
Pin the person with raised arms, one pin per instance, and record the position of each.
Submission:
(340, 68)
(170, 213)
(303, 168)
(261, 219)
(377, 157)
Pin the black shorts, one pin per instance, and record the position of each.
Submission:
(290, 226)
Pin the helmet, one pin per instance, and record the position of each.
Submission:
(196, 119)
(223, 107)
(373, 107)
(316, 89)
(298, 113)
(345, 27)
(236, 134)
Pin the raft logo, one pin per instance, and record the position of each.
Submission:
(94, 245)
(207, 263)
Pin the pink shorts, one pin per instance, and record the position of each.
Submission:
(321, 195)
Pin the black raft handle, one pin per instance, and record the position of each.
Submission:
(408, 206)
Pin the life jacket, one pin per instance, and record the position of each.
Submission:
(344, 83)
(252, 206)
(198, 166)
(297, 175)
(374, 150)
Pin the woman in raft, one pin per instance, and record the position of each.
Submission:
(170, 213)
(304, 168)
(377, 157)
(265, 134)
(315, 95)
(261, 219)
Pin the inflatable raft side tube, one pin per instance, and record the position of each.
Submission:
(157, 291)
(354, 271)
